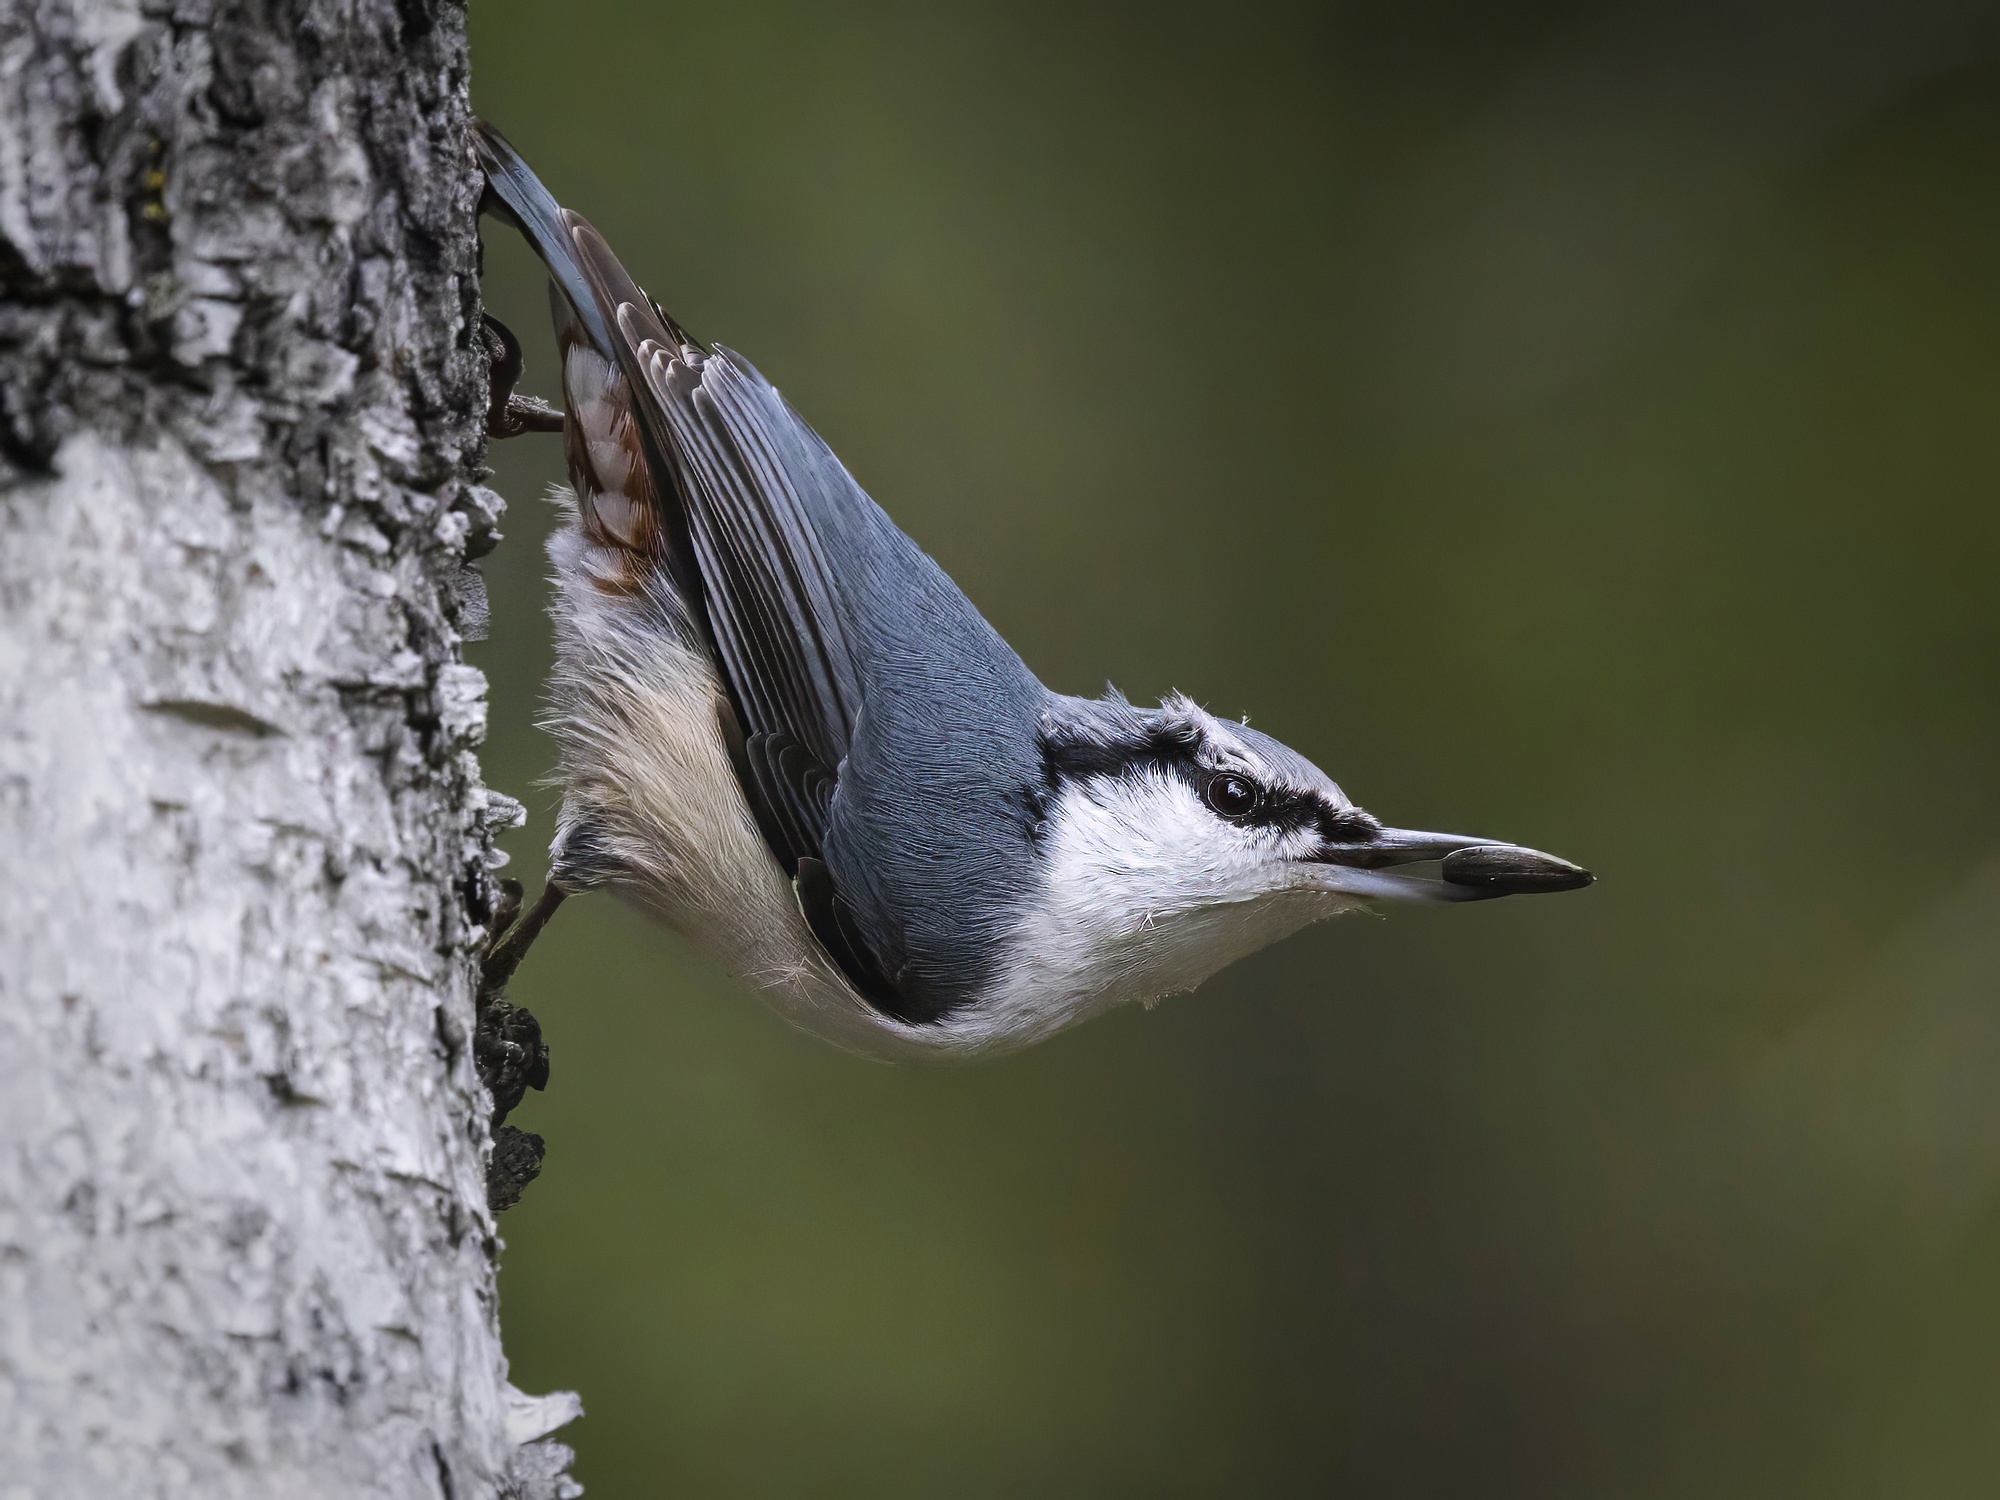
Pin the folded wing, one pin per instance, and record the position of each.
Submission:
(697, 467)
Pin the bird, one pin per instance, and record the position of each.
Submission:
(784, 732)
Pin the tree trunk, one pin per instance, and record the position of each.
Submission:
(244, 847)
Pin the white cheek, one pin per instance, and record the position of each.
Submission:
(1146, 893)
(1125, 853)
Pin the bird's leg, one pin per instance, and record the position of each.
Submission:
(507, 1045)
(507, 414)
(513, 938)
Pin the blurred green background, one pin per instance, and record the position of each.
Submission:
(1577, 423)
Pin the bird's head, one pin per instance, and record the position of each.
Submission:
(1171, 843)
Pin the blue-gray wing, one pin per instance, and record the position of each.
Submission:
(736, 476)
(770, 596)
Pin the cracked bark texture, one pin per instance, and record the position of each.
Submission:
(244, 846)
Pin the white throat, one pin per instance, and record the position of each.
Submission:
(1145, 894)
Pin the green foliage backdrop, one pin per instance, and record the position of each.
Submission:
(1571, 422)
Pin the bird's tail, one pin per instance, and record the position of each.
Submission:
(589, 276)
(515, 193)
(600, 305)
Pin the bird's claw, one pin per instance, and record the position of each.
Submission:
(507, 414)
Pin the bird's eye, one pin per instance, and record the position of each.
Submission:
(1230, 795)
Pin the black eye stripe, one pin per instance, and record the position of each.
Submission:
(1172, 749)
(1288, 810)
(1347, 826)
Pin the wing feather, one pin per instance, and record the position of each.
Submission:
(722, 460)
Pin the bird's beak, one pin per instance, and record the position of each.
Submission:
(1469, 869)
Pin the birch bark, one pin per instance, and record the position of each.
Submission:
(244, 845)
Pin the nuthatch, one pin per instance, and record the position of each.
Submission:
(786, 733)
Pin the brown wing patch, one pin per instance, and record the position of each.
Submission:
(615, 498)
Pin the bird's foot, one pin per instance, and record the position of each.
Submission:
(507, 414)
(507, 1045)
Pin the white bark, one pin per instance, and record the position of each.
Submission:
(244, 1241)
